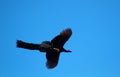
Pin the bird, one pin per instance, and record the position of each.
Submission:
(52, 48)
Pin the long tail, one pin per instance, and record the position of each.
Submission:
(31, 46)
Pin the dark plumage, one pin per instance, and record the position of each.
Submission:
(52, 48)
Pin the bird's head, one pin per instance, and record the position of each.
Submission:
(64, 50)
(68, 51)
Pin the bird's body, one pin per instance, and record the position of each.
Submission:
(52, 48)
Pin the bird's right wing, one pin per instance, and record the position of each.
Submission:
(61, 39)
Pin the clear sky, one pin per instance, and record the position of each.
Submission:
(95, 42)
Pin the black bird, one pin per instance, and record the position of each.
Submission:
(52, 48)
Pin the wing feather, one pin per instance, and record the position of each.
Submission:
(52, 59)
(61, 39)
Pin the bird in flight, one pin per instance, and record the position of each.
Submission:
(52, 48)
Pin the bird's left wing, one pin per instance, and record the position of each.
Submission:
(52, 59)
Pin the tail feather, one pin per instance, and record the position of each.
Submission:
(31, 46)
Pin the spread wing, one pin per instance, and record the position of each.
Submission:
(61, 39)
(52, 59)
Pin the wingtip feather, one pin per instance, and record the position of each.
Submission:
(51, 65)
(67, 32)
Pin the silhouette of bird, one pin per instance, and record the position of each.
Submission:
(52, 48)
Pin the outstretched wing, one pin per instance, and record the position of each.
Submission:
(61, 39)
(52, 59)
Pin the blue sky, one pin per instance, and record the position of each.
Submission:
(95, 42)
